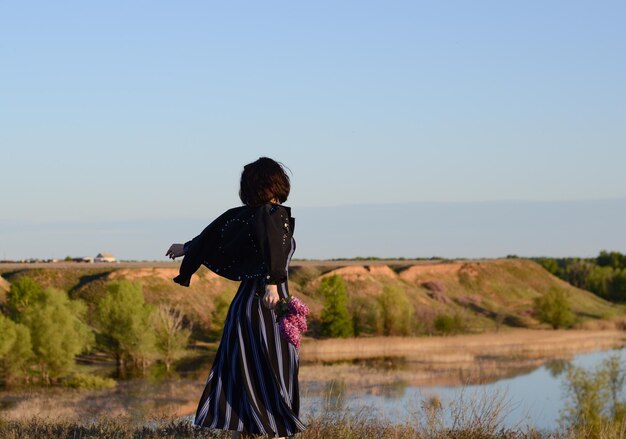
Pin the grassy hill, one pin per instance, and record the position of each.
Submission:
(484, 294)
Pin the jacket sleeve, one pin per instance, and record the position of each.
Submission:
(273, 231)
(193, 257)
(195, 251)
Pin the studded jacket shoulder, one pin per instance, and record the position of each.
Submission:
(242, 243)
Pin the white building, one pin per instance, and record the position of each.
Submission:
(105, 257)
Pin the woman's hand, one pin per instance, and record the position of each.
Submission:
(175, 251)
(270, 299)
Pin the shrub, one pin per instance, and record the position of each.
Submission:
(366, 316)
(553, 308)
(595, 397)
(87, 381)
(445, 324)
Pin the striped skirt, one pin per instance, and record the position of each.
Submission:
(253, 383)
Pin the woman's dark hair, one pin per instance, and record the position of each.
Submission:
(263, 180)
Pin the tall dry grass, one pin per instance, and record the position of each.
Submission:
(612, 323)
(318, 428)
(342, 426)
(105, 428)
(468, 416)
(521, 343)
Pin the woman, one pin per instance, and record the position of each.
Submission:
(253, 383)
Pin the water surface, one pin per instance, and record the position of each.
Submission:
(532, 398)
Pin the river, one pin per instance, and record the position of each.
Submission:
(533, 395)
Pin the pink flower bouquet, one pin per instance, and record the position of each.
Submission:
(291, 319)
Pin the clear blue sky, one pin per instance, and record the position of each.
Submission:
(144, 110)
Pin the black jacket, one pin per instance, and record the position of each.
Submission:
(242, 243)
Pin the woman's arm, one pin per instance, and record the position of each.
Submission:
(271, 298)
(195, 251)
(175, 251)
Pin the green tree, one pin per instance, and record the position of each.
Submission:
(577, 273)
(611, 259)
(396, 311)
(23, 292)
(15, 348)
(617, 286)
(125, 320)
(550, 264)
(7, 335)
(604, 275)
(554, 308)
(58, 332)
(171, 335)
(599, 281)
(335, 318)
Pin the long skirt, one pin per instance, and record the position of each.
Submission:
(253, 383)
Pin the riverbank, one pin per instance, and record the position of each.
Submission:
(358, 366)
